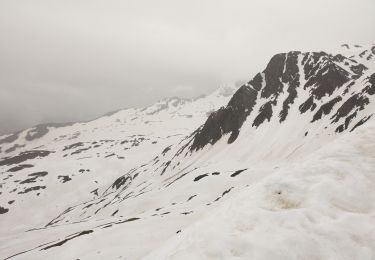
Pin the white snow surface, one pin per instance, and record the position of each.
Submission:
(291, 190)
(321, 207)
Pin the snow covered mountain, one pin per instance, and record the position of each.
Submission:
(94, 152)
(281, 169)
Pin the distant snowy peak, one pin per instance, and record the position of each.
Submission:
(174, 104)
(165, 104)
(225, 91)
(159, 113)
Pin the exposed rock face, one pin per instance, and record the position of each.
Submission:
(291, 76)
(24, 156)
(326, 108)
(227, 120)
(323, 75)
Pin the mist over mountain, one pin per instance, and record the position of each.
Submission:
(281, 167)
(187, 130)
(69, 61)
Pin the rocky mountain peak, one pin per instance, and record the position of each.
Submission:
(316, 79)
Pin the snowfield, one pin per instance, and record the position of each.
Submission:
(321, 207)
(281, 168)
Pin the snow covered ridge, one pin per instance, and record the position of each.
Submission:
(165, 109)
(283, 170)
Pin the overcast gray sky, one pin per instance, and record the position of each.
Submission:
(69, 60)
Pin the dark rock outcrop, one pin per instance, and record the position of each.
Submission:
(326, 108)
(24, 156)
(20, 167)
(226, 120)
(3, 210)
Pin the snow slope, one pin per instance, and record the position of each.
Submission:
(77, 162)
(321, 207)
(283, 170)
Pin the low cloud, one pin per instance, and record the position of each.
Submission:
(74, 60)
